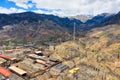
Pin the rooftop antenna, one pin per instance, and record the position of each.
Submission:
(74, 31)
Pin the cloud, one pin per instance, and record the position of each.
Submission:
(22, 3)
(70, 7)
(54, 12)
(10, 10)
(77, 7)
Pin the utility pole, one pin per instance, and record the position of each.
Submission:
(74, 31)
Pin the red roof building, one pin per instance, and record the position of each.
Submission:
(5, 57)
(5, 72)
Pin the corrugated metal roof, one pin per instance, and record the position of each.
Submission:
(59, 67)
(5, 72)
(5, 56)
(17, 70)
(37, 52)
(41, 61)
(38, 57)
(2, 60)
(15, 77)
(33, 55)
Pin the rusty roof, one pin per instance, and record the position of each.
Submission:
(5, 56)
(5, 72)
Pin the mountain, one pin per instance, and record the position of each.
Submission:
(97, 21)
(33, 17)
(82, 18)
(38, 27)
(113, 20)
(99, 18)
(104, 19)
(29, 26)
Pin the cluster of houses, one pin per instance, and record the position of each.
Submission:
(30, 68)
(5, 73)
(37, 66)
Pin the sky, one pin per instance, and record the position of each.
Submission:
(60, 7)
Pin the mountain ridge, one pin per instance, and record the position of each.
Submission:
(31, 26)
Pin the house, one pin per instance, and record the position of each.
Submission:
(40, 53)
(59, 68)
(9, 60)
(41, 61)
(2, 62)
(47, 63)
(34, 56)
(15, 77)
(32, 68)
(54, 59)
(18, 70)
(5, 72)
(5, 57)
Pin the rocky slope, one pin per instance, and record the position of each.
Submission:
(96, 54)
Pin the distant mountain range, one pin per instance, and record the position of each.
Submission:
(32, 26)
(82, 18)
(115, 19)
(41, 27)
(97, 21)
(10, 19)
(99, 18)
